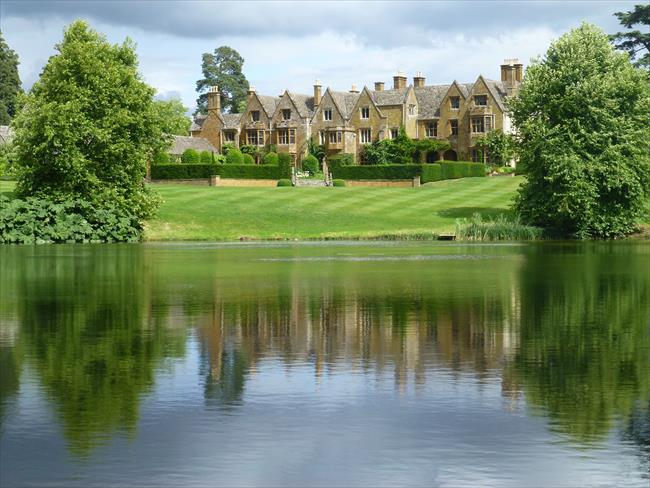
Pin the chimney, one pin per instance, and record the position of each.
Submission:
(353, 89)
(519, 72)
(508, 71)
(418, 80)
(379, 86)
(399, 81)
(214, 99)
(251, 91)
(317, 93)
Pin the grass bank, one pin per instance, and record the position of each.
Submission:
(227, 214)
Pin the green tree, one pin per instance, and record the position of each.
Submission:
(635, 42)
(9, 82)
(223, 68)
(583, 138)
(89, 125)
(234, 156)
(172, 116)
(497, 147)
(190, 156)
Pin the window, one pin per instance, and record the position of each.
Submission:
(229, 136)
(478, 124)
(432, 129)
(488, 123)
(477, 155)
(365, 136)
(255, 115)
(292, 136)
(327, 114)
(413, 110)
(454, 127)
(365, 112)
(286, 136)
(253, 137)
(394, 133)
(286, 114)
(335, 137)
(455, 102)
(480, 100)
(321, 137)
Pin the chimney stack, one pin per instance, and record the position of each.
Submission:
(251, 91)
(214, 99)
(508, 71)
(418, 80)
(399, 81)
(379, 86)
(519, 72)
(317, 93)
(353, 89)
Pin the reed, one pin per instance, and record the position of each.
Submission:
(497, 229)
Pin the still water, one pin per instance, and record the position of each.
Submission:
(325, 364)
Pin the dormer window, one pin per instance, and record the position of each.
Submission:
(327, 114)
(480, 100)
(255, 115)
(432, 130)
(455, 102)
(286, 114)
(365, 112)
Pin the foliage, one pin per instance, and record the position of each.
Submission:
(172, 117)
(284, 182)
(7, 159)
(38, 220)
(206, 157)
(250, 149)
(234, 156)
(284, 164)
(341, 159)
(228, 147)
(310, 164)
(461, 169)
(316, 150)
(161, 157)
(190, 156)
(380, 172)
(497, 229)
(9, 82)
(203, 171)
(497, 147)
(431, 172)
(635, 42)
(401, 150)
(248, 159)
(270, 158)
(337, 182)
(223, 68)
(88, 125)
(425, 147)
(583, 138)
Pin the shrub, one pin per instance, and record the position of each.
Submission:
(250, 171)
(234, 156)
(310, 164)
(270, 158)
(338, 182)
(284, 182)
(379, 172)
(227, 147)
(461, 169)
(161, 157)
(248, 159)
(206, 157)
(190, 156)
(40, 220)
(341, 159)
(284, 163)
(431, 172)
(499, 229)
(184, 171)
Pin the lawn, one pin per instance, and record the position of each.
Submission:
(226, 213)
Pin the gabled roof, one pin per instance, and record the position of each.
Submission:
(497, 90)
(369, 93)
(181, 143)
(268, 103)
(304, 103)
(6, 134)
(197, 122)
(429, 100)
(344, 101)
(390, 97)
(231, 121)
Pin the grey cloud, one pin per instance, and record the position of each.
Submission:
(378, 23)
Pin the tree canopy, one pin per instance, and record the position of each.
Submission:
(583, 138)
(89, 124)
(635, 42)
(172, 116)
(223, 68)
(9, 82)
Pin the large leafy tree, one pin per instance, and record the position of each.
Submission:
(88, 125)
(223, 68)
(9, 82)
(635, 42)
(172, 116)
(583, 138)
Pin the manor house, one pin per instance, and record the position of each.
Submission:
(345, 121)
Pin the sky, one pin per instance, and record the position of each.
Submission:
(287, 45)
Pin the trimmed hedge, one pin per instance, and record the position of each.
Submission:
(377, 172)
(461, 169)
(341, 159)
(284, 163)
(234, 156)
(338, 182)
(284, 182)
(431, 172)
(200, 171)
(270, 158)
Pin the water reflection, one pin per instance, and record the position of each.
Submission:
(565, 330)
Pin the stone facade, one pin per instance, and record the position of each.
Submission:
(344, 121)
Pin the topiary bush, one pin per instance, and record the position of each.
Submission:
(284, 164)
(284, 182)
(310, 164)
(234, 156)
(190, 156)
(248, 159)
(270, 158)
(206, 157)
(338, 182)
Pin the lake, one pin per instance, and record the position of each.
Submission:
(325, 364)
